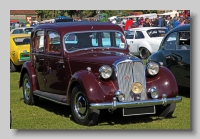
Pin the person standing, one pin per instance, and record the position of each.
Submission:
(146, 23)
(182, 22)
(177, 22)
(155, 22)
(17, 25)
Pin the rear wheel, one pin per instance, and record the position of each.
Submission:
(81, 112)
(166, 111)
(144, 53)
(29, 98)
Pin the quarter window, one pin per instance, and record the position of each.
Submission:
(39, 40)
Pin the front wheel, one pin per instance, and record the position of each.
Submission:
(29, 98)
(144, 53)
(81, 112)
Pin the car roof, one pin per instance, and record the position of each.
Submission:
(185, 27)
(23, 27)
(71, 24)
(146, 28)
(20, 35)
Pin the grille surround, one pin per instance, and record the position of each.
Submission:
(128, 71)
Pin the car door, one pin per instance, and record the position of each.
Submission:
(55, 76)
(131, 41)
(177, 54)
(38, 57)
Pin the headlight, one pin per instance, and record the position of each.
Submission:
(105, 71)
(152, 68)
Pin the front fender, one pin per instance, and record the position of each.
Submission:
(28, 68)
(164, 82)
(95, 89)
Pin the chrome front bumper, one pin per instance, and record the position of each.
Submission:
(140, 103)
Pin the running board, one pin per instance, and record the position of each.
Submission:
(60, 99)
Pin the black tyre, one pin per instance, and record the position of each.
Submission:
(29, 98)
(81, 113)
(166, 111)
(144, 53)
(13, 68)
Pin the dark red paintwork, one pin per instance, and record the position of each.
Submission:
(75, 63)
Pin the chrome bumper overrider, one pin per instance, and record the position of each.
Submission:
(140, 103)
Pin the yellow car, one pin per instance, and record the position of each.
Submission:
(19, 50)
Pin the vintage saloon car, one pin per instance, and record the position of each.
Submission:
(87, 65)
(174, 53)
(144, 41)
(19, 50)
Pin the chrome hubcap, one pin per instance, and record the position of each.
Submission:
(26, 89)
(80, 106)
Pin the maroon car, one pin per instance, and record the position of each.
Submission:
(87, 65)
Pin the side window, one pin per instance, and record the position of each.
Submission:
(53, 42)
(120, 40)
(39, 41)
(139, 35)
(94, 39)
(184, 41)
(170, 42)
(130, 35)
(17, 31)
(106, 39)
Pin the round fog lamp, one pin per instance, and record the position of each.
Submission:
(121, 97)
(136, 88)
(153, 92)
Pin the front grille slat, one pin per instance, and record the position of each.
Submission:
(129, 72)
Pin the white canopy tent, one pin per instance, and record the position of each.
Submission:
(172, 14)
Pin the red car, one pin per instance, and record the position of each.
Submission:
(87, 66)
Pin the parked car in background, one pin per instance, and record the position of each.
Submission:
(87, 66)
(22, 30)
(19, 50)
(174, 53)
(144, 41)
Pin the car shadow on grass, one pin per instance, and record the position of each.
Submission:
(105, 117)
(118, 118)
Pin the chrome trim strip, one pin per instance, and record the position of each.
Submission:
(141, 103)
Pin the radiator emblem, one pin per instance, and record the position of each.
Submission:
(126, 77)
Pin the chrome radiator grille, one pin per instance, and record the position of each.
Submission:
(129, 72)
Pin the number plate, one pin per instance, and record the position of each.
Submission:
(139, 111)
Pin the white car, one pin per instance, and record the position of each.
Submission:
(19, 30)
(144, 41)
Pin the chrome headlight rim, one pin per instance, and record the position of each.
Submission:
(105, 69)
(153, 68)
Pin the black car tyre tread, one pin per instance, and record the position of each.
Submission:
(166, 111)
(144, 53)
(13, 68)
(29, 99)
(90, 117)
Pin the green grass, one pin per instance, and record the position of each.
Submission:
(49, 115)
